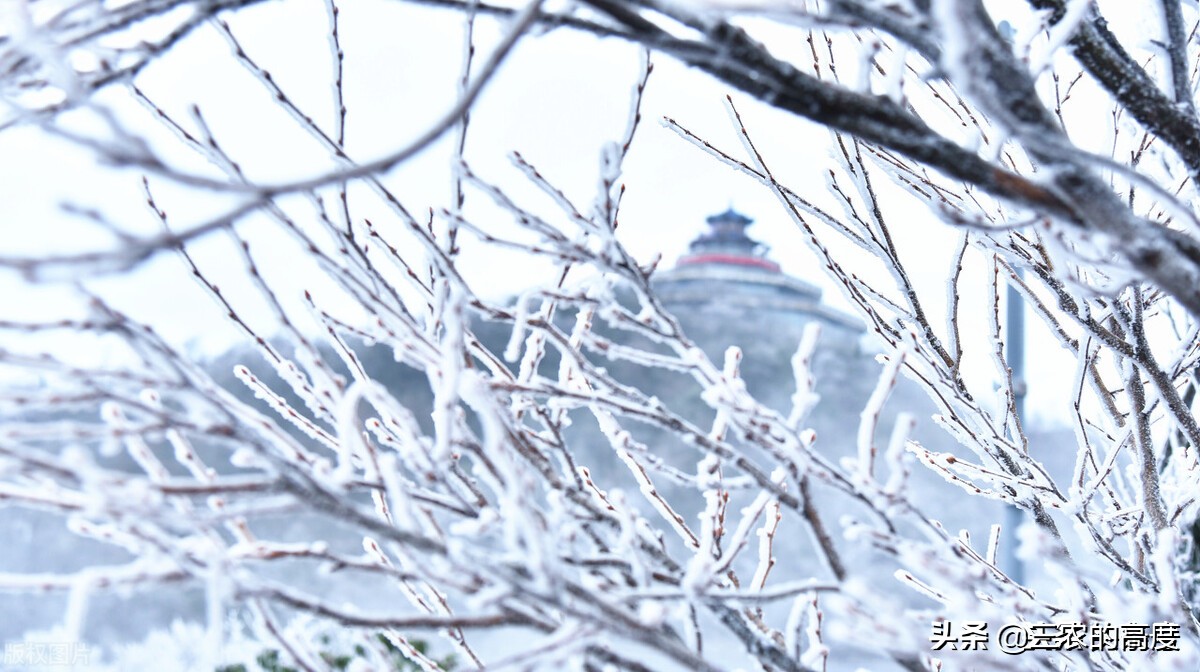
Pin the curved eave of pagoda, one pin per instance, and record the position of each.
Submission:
(741, 271)
(778, 305)
(729, 259)
(699, 282)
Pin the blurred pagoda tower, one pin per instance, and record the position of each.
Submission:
(725, 291)
(726, 272)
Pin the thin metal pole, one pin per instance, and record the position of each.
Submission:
(1015, 351)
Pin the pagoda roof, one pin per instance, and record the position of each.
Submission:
(730, 215)
(724, 265)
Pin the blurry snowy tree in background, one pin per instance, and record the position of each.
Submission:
(1062, 165)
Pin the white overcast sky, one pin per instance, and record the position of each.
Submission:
(557, 99)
